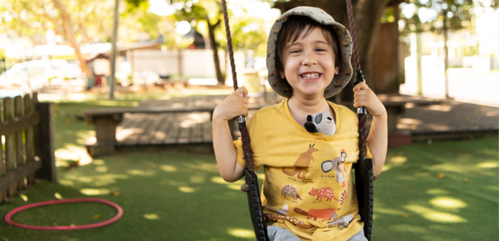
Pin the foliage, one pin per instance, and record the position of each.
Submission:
(457, 14)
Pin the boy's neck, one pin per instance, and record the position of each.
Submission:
(301, 107)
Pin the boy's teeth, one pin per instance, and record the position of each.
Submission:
(310, 76)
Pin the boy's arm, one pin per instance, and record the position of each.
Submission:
(225, 152)
(378, 136)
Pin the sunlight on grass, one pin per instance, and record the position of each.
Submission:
(84, 135)
(397, 160)
(493, 188)
(99, 179)
(168, 168)
(242, 233)
(435, 216)
(437, 191)
(71, 153)
(386, 168)
(99, 162)
(137, 172)
(95, 192)
(448, 202)
(186, 189)
(151, 216)
(101, 169)
(66, 183)
(203, 166)
(388, 211)
(220, 180)
(236, 187)
(488, 165)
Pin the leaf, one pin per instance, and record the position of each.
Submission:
(58, 196)
(441, 175)
(24, 197)
(405, 215)
(465, 180)
(116, 194)
(96, 216)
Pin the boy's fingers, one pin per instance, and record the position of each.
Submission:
(242, 90)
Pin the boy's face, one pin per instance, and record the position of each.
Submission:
(309, 64)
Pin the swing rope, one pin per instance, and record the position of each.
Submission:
(251, 186)
(364, 176)
(248, 153)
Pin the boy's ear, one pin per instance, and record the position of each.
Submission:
(281, 73)
(337, 70)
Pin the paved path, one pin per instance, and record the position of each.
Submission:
(451, 119)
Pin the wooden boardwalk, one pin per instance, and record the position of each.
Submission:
(175, 128)
(450, 119)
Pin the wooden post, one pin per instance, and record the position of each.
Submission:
(44, 142)
(10, 158)
(30, 149)
(19, 146)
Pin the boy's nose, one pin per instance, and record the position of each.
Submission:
(309, 62)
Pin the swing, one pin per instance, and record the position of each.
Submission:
(363, 168)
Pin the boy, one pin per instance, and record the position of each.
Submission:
(308, 190)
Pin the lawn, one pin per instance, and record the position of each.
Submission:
(440, 191)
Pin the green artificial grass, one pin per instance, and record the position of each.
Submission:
(440, 191)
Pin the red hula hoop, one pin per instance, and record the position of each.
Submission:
(73, 200)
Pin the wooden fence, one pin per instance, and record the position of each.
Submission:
(27, 138)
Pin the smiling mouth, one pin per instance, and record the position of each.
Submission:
(310, 75)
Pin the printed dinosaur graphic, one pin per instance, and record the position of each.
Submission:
(344, 221)
(289, 190)
(293, 220)
(325, 214)
(324, 192)
(301, 164)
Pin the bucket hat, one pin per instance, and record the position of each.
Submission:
(340, 80)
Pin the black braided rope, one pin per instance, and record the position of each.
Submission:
(251, 186)
(364, 172)
(229, 44)
(354, 35)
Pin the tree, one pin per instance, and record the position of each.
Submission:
(209, 11)
(76, 22)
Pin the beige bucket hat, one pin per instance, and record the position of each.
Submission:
(340, 80)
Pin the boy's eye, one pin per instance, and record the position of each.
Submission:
(295, 51)
(320, 49)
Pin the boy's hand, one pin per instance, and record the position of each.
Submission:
(234, 105)
(364, 96)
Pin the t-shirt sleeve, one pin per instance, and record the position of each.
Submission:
(258, 143)
(369, 155)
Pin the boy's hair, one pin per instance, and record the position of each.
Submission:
(292, 29)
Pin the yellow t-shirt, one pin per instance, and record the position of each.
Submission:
(308, 186)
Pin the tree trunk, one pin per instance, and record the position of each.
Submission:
(367, 14)
(70, 36)
(214, 47)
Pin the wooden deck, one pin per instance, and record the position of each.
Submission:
(448, 120)
(175, 128)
